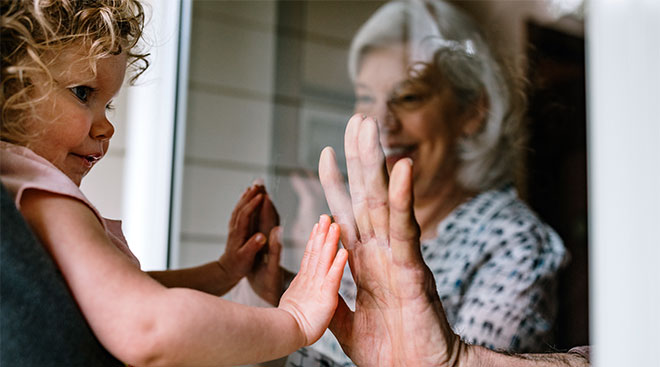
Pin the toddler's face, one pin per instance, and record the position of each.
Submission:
(72, 130)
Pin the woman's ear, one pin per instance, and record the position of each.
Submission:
(475, 116)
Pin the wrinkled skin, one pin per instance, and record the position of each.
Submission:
(398, 318)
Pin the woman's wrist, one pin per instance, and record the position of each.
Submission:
(477, 356)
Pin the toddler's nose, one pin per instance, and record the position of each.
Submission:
(102, 129)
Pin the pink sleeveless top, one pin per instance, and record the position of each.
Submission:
(21, 169)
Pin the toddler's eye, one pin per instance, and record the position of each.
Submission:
(82, 92)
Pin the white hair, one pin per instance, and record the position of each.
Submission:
(436, 33)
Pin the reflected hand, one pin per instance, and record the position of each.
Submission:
(266, 276)
(242, 243)
(398, 318)
(267, 217)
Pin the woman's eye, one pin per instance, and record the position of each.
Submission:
(110, 106)
(363, 99)
(82, 92)
(407, 98)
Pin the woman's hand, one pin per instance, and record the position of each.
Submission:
(398, 318)
(312, 296)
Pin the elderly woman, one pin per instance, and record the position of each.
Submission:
(424, 72)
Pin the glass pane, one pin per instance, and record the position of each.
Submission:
(270, 85)
(268, 89)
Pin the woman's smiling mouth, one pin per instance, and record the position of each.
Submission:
(395, 153)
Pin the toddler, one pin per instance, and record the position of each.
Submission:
(62, 63)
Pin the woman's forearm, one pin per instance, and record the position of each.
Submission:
(477, 356)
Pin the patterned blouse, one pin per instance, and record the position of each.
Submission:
(495, 265)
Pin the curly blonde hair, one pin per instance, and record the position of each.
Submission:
(31, 30)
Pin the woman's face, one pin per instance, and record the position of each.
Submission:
(415, 121)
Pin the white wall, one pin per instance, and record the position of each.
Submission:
(624, 180)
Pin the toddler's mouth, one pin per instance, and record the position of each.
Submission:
(91, 159)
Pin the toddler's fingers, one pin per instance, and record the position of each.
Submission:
(268, 215)
(252, 246)
(305, 259)
(242, 225)
(317, 243)
(329, 250)
(332, 281)
(321, 234)
(246, 196)
(274, 249)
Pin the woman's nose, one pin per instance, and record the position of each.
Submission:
(387, 120)
(102, 129)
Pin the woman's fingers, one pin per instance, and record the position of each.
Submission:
(374, 174)
(404, 230)
(338, 199)
(342, 321)
(355, 178)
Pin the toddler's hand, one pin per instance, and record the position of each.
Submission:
(242, 243)
(267, 276)
(313, 294)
